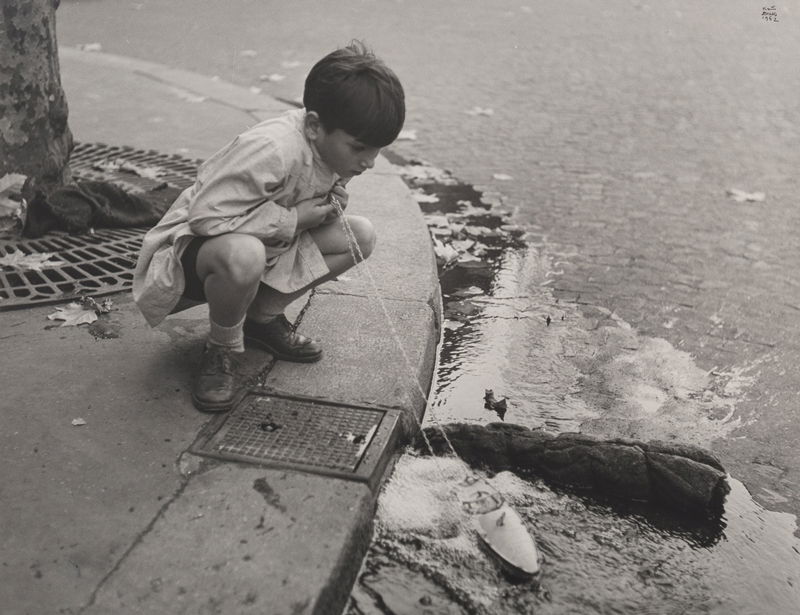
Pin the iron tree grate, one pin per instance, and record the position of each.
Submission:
(96, 161)
(302, 433)
(96, 263)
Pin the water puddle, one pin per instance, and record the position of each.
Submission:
(598, 557)
(561, 367)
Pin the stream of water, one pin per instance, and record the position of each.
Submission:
(562, 367)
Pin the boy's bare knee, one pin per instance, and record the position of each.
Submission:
(364, 233)
(240, 258)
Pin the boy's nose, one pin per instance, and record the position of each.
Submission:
(369, 162)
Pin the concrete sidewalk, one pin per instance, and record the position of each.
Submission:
(116, 516)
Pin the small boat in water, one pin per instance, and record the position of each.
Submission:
(499, 527)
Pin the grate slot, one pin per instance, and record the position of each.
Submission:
(53, 275)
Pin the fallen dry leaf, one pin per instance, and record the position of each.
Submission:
(73, 314)
(462, 245)
(437, 220)
(445, 253)
(407, 135)
(421, 197)
(30, 262)
(272, 78)
(104, 307)
(118, 165)
(480, 111)
(502, 177)
(467, 258)
(188, 96)
(740, 196)
(423, 173)
(78, 422)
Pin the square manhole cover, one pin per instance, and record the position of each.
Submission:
(304, 434)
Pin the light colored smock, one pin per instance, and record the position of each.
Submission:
(251, 186)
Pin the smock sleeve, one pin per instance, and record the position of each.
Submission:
(236, 192)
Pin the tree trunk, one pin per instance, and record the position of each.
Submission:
(35, 139)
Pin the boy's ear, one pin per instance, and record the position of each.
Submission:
(313, 125)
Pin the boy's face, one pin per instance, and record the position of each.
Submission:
(343, 153)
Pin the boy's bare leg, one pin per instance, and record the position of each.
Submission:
(332, 242)
(267, 328)
(230, 267)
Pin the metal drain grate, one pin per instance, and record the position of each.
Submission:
(304, 434)
(87, 161)
(96, 263)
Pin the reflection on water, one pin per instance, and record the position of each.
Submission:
(565, 368)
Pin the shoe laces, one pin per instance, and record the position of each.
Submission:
(294, 338)
(218, 360)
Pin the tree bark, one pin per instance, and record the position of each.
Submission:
(35, 139)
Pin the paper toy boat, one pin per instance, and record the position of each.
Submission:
(499, 527)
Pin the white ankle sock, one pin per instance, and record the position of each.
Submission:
(228, 337)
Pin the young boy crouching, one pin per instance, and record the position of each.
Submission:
(258, 228)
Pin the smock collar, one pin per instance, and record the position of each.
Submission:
(311, 155)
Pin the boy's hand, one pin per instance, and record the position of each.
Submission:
(313, 212)
(340, 196)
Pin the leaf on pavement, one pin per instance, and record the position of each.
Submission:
(188, 96)
(407, 135)
(104, 307)
(118, 165)
(502, 177)
(73, 314)
(740, 196)
(30, 262)
(78, 422)
(480, 111)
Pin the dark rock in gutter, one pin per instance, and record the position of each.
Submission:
(678, 476)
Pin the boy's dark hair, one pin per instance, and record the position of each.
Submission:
(353, 90)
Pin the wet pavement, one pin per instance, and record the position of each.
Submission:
(599, 554)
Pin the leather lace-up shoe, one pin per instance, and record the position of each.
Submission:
(215, 386)
(279, 339)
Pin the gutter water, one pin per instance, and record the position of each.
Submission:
(561, 367)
